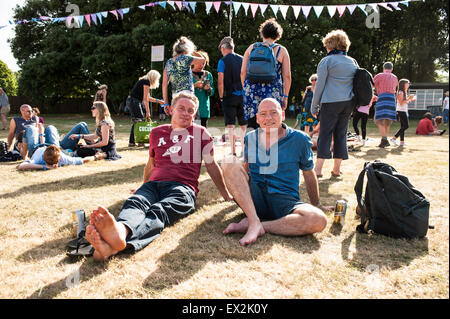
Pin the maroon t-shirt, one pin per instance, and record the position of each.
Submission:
(425, 127)
(178, 154)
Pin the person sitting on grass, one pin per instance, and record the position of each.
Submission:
(45, 153)
(426, 127)
(170, 184)
(265, 185)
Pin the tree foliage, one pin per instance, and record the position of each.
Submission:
(60, 62)
(7, 79)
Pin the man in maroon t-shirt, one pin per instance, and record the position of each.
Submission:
(170, 184)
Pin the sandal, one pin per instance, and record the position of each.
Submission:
(335, 175)
(80, 247)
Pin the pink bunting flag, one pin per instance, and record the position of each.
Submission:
(254, 7)
(88, 19)
(115, 13)
(395, 5)
(69, 21)
(217, 5)
(341, 10)
(179, 5)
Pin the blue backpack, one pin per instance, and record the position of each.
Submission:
(262, 63)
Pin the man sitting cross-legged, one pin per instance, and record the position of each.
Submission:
(170, 184)
(265, 186)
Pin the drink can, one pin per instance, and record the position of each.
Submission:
(78, 221)
(339, 211)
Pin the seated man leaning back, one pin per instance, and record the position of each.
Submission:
(266, 184)
(170, 184)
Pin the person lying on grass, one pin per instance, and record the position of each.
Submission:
(265, 185)
(170, 184)
(45, 153)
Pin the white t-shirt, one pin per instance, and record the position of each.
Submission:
(38, 158)
(445, 104)
(402, 107)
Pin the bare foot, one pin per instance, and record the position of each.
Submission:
(102, 249)
(254, 231)
(110, 230)
(240, 227)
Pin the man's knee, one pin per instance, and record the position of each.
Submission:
(316, 219)
(230, 165)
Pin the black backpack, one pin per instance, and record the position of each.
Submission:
(391, 205)
(362, 87)
(3, 148)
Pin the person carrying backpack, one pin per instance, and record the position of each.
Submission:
(266, 71)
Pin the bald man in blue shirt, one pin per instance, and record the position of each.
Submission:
(265, 185)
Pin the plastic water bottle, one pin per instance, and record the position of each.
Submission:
(69, 152)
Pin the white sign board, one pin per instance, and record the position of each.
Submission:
(157, 53)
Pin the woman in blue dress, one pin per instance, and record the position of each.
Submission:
(278, 89)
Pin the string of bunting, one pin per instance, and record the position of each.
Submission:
(97, 18)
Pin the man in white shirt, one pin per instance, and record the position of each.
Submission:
(445, 109)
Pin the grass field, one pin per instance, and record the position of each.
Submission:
(192, 259)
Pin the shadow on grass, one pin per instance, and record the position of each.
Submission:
(382, 251)
(207, 244)
(116, 177)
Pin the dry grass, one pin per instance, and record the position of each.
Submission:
(192, 259)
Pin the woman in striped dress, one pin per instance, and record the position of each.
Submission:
(385, 109)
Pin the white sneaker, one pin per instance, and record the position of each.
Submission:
(363, 142)
(394, 141)
(403, 143)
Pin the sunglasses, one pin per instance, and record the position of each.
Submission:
(313, 80)
(93, 108)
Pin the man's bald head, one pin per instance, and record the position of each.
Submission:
(270, 114)
(26, 111)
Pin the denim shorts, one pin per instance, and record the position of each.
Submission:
(272, 206)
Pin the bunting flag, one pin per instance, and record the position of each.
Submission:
(208, 6)
(236, 7)
(318, 10)
(190, 6)
(306, 10)
(254, 7)
(297, 10)
(331, 10)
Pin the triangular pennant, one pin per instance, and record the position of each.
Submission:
(104, 14)
(55, 20)
(115, 13)
(284, 9)
(120, 11)
(142, 7)
(263, 8)
(217, 5)
(297, 10)
(192, 4)
(246, 6)
(172, 4)
(186, 5)
(125, 10)
(351, 8)
(94, 18)
(99, 16)
(69, 21)
(306, 10)
(162, 4)
(179, 5)
(385, 5)
(373, 6)
(341, 10)
(80, 20)
(254, 7)
(236, 7)
(275, 8)
(406, 3)
(331, 10)
(208, 6)
(363, 8)
(395, 5)
(88, 19)
(318, 10)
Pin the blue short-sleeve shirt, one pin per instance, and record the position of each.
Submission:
(278, 168)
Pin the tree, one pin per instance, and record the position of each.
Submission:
(7, 79)
(58, 62)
